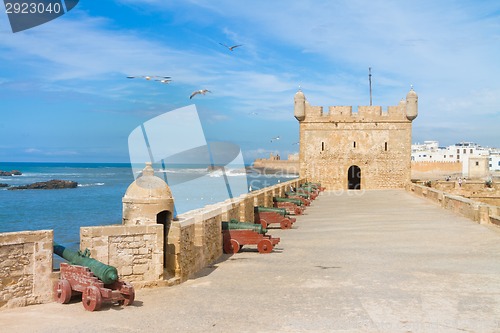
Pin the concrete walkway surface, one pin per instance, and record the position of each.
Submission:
(357, 261)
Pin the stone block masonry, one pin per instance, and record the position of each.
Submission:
(135, 250)
(367, 149)
(476, 211)
(25, 268)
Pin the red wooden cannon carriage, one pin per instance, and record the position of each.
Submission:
(75, 280)
(269, 215)
(236, 234)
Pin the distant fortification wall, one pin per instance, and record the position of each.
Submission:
(275, 164)
(435, 170)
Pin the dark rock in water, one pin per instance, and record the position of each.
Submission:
(53, 184)
(10, 173)
(4, 185)
(215, 167)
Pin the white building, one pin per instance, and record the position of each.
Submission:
(495, 160)
(459, 152)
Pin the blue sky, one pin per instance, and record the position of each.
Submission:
(64, 95)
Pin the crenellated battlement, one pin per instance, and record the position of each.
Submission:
(342, 113)
(405, 111)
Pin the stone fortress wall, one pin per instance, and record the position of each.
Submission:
(274, 164)
(435, 170)
(367, 149)
(475, 210)
(148, 249)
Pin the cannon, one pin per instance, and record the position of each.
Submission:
(299, 193)
(236, 234)
(300, 196)
(95, 281)
(311, 190)
(269, 215)
(292, 206)
(316, 185)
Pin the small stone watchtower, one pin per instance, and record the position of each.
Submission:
(148, 200)
(367, 149)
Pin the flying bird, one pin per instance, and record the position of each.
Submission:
(231, 48)
(275, 139)
(165, 81)
(162, 79)
(202, 92)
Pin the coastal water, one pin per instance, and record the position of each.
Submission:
(98, 198)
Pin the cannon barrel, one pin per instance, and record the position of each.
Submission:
(300, 194)
(107, 274)
(295, 201)
(317, 185)
(307, 189)
(260, 209)
(236, 225)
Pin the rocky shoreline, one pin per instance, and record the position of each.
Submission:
(54, 184)
(10, 173)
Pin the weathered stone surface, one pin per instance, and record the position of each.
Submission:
(48, 185)
(367, 149)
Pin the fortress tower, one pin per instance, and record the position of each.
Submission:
(367, 149)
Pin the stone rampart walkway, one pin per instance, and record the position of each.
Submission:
(374, 261)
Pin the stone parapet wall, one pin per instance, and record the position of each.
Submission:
(145, 255)
(477, 211)
(26, 268)
(135, 250)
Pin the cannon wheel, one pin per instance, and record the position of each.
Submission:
(232, 246)
(128, 299)
(298, 211)
(91, 298)
(265, 246)
(63, 291)
(286, 223)
(263, 223)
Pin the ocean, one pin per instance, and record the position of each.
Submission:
(98, 198)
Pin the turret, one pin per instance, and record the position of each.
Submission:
(411, 105)
(300, 105)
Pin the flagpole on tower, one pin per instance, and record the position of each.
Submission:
(370, 80)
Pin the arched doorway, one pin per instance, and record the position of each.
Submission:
(354, 178)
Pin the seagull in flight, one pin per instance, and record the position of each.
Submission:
(275, 139)
(161, 79)
(201, 92)
(231, 48)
